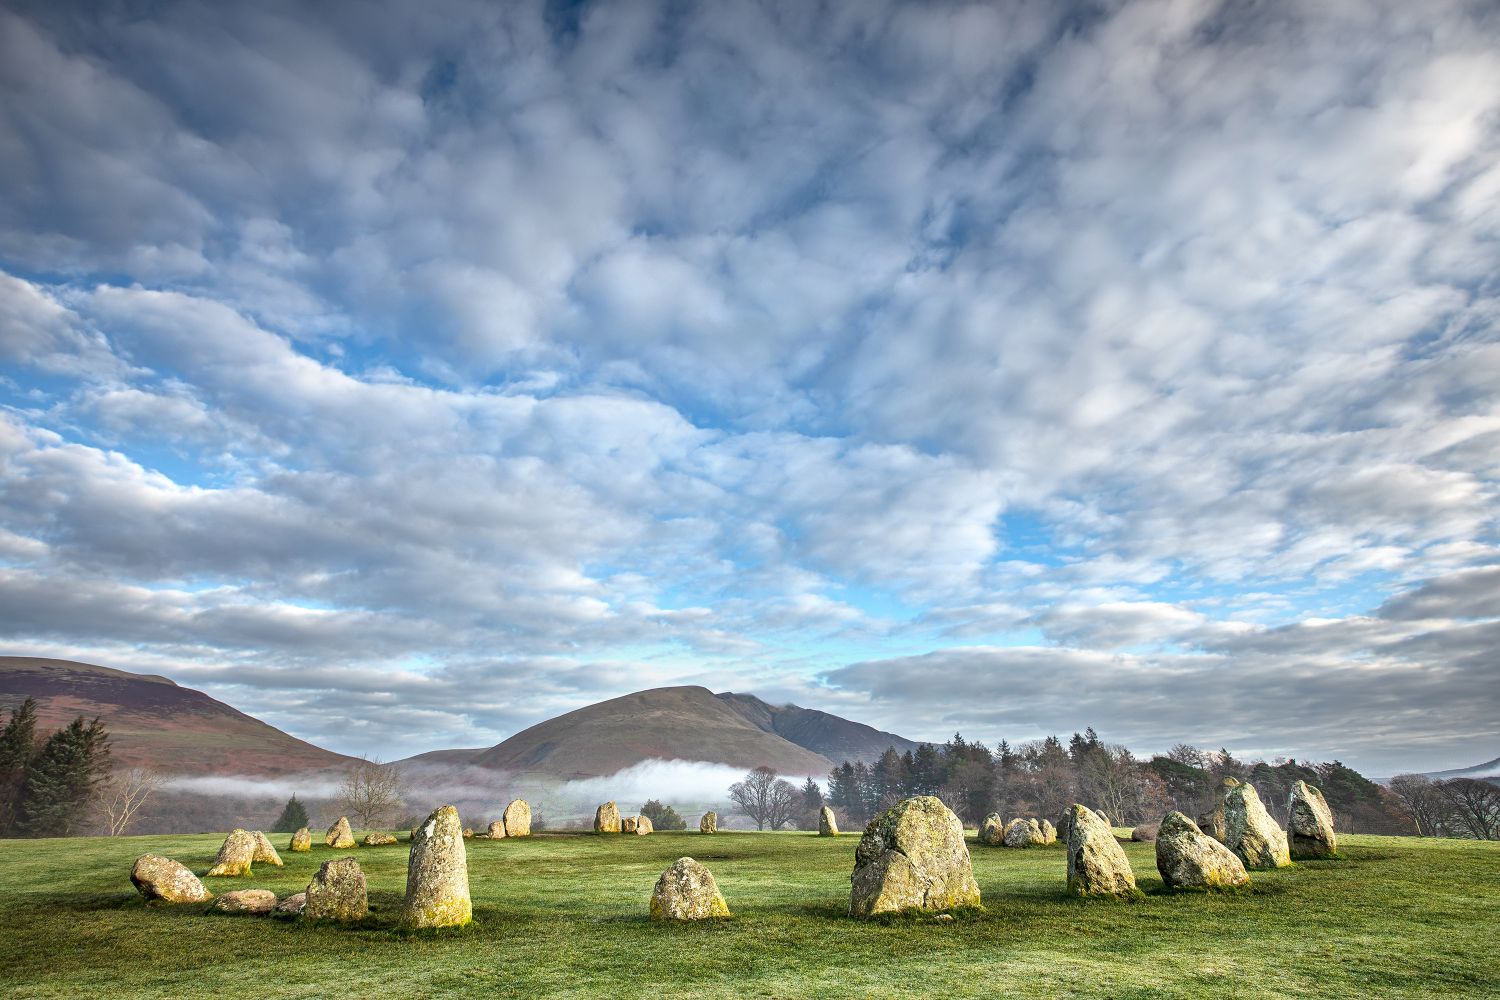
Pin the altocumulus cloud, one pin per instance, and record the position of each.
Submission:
(1007, 368)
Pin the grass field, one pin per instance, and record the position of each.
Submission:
(565, 915)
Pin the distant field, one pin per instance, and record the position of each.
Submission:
(565, 915)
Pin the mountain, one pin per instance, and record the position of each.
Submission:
(681, 723)
(156, 723)
(833, 737)
(1489, 769)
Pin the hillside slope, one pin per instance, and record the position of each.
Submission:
(681, 723)
(830, 736)
(1489, 769)
(154, 722)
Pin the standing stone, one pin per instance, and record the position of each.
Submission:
(709, 823)
(378, 839)
(1212, 822)
(264, 851)
(1144, 833)
(255, 902)
(912, 856)
(301, 841)
(607, 818)
(339, 835)
(1024, 833)
(159, 878)
(687, 891)
(643, 826)
(992, 831)
(828, 824)
(337, 892)
(292, 906)
(235, 855)
(497, 830)
(627, 825)
(1097, 865)
(1188, 858)
(1250, 832)
(468, 833)
(1049, 832)
(517, 817)
(437, 876)
(1310, 823)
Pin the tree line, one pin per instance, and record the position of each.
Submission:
(1455, 807)
(52, 786)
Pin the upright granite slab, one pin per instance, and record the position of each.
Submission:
(337, 892)
(912, 857)
(1250, 832)
(709, 823)
(992, 830)
(437, 875)
(1097, 865)
(607, 818)
(828, 824)
(1310, 824)
(517, 818)
(235, 855)
(1188, 858)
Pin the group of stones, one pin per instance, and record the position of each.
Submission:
(607, 819)
(913, 856)
(437, 873)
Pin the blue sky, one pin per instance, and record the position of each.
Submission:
(405, 376)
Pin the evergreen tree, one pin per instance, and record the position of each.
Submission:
(17, 747)
(61, 779)
(812, 796)
(293, 817)
(662, 817)
(926, 770)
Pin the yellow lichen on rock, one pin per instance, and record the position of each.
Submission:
(301, 841)
(337, 892)
(687, 891)
(264, 851)
(913, 856)
(607, 818)
(163, 880)
(828, 824)
(339, 835)
(517, 818)
(709, 823)
(235, 855)
(437, 874)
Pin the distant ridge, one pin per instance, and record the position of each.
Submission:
(1489, 769)
(830, 736)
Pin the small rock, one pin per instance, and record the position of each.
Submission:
(1310, 824)
(496, 830)
(235, 855)
(264, 852)
(162, 879)
(944, 918)
(912, 856)
(1024, 833)
(339, 834)
(687, 891)
(1188, 858)
(709, 823)
(627, 824)
(301, 841)
(468, 833)
(992, 830)
(607, 818)
(254, 902)
(828, 824)
(291, 906)
(517, 818)
(378, 839)
(1049, 832)
(643, 826)
(337, 892)
(1250, 832)
(1144, 833)
(1097, 865)
(437, 876)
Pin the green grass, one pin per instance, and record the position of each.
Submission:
(565, 915)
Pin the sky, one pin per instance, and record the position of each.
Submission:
(406, 374)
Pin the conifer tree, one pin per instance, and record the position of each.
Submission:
(61, 780)
(293, 817)
(17, 747)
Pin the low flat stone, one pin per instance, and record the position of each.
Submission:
(496, 830)
(1143, 833)
(163, 880)
(251, 902)
(687, 891)
(292, 906)
(337, 892)
(1024, 833)
(378, 839)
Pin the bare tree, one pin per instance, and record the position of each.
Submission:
(1476, 806)
(123, 794)
(1422, 801)
(765, 798)
(371, 791)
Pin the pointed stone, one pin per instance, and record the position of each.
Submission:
(709, 823)
(337, 892)
(687, 891)
(1250, 832)
(264, 852)
(992, 830)
(1309, 824)
(1212, 822)
(162, 879)
(1097, 865)
(301, 841)
(828, 824)
(437, 876)
(517, 817)
(235, 855)
(1188, 858)
(913, 857)
(339, 834)
(607, 818)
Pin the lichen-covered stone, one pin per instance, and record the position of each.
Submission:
(1309, 824)
(992, 830)
(709, 823)
(517, 818)
(252, 902)
(468, 833)
(1049, 832)
(1024, 833)
(264, 852)
(1143, 833)
(437, 876)
(337, 892)
(628, 824)
(162, 879)
(828, 824)
(607, 818)
(378, 839)
(643, 826)
(301, 841)
(912, 856)
(1188, 858)
(292, 906)
(339, 834)
(1250, 832)
(1212, 822)
(496, 830)
(235, 855)
(1097, 865)
(687, 891)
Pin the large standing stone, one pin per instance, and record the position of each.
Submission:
(255, 902)
(301, 841)
(607, 818)
(828, 824)
(337, 892)
(1250, 832)
(1310, 824)
(992, 830)
(1097, 865)
(264, 851)
(1049, 832)
(709, 823)
(912, 856)
(235, 855)
(643, 826)
(687, 891)
(1024, 833)
(1212, 822)
(159, 878)
(437, 876)
(339, 835)
(1188, 858)
(517, 817)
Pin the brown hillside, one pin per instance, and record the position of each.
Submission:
(681, 723)
(156, 723)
